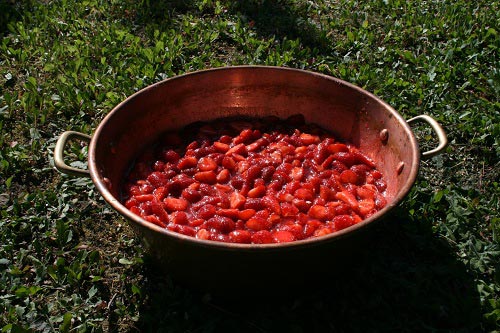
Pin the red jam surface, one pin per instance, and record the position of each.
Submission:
(254, 181)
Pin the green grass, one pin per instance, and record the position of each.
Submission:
(68, 263)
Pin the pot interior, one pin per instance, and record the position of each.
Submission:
(350, 113)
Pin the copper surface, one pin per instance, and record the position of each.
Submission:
(351, 113)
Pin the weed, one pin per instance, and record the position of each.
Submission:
(69, 263)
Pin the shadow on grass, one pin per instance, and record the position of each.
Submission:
(282, 20)
(408, 281)
(267, 18)
(8, 13)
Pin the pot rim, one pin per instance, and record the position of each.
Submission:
(100, 182)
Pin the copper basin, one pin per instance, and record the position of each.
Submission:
(350, 112)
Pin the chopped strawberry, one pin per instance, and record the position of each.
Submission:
(272, 204)
(207, 177)
(348, 198)
(366, 206)
(155, 220)
(207, 164)
(240, 236)
(236, 200)
(187, 162)
(246, 214)
(257, 224)
(318, 212)
(343, 221)
(283, 236)
(262, 237)
(175, 204)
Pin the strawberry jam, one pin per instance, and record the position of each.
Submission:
(254, 181)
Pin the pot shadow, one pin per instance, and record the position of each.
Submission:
(408, 281)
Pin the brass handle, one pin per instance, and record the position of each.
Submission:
(59, 163)
(438, 129)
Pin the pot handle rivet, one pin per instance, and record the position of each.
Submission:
(384, 135)
(59, 163)
(400, 167)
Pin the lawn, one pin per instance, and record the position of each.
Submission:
(69, 263)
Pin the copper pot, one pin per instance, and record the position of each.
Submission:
(350, 112)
